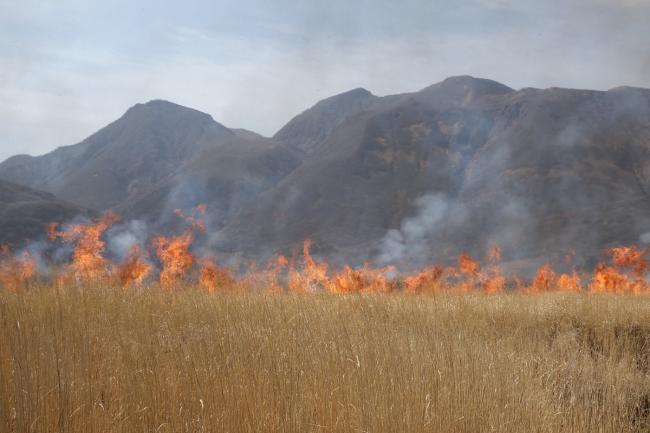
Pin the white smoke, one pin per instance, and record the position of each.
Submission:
(121, 238)
(410, 239)
(645, 238)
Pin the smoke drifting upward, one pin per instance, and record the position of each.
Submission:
(122, 238)
(409, 242)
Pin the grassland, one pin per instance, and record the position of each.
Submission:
(145, 360)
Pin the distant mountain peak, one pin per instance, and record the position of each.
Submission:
(358, 92)
(160, 107)
(462, 89)
(310, 128)
(490, 86)
(345, 98)
(149, 143)
(629, 89)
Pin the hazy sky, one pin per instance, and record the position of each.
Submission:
(69, 67)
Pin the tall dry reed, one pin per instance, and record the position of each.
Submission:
(146, 360)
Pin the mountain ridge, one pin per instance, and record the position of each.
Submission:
(402, 179)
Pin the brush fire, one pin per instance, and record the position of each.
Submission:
(153, 335)
(171, 263)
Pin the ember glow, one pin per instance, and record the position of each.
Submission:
(624, 271)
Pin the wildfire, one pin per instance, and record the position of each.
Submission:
(494, 284)
(494, 254)
(314, 275)
(88, 263)
(213, 277)
(196, 220)
(428, 279)
(627, 275)
(568, 283)
(544, 280)
(624, 272)
(174, 252)
(134, 269)
(174, 256)
(15, 272)
(364, 280)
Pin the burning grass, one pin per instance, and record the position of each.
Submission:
(97, 358)
(167, 341)
(624, 272)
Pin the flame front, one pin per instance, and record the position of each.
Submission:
(625, 271)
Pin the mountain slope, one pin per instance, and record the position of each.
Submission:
(24, 213)
(310, 128)
(144, 147)
(405, 179)
(462, 165)
(226, 178)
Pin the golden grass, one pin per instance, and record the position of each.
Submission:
(105, 360)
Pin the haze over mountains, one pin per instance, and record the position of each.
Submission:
(403, 179)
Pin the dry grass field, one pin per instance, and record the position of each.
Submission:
(145, 360)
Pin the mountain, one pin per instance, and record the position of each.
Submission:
(157, 157)
(143, 148)
(462, 165)
(227, 176)
(310, 128)
(402, 179)
(24, 213)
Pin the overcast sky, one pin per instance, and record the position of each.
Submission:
(69, 67)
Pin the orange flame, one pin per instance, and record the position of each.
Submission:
(427, 280)
(492, 280)
(544, 280)
(196, 219)
(494, 254)
(314, 274)
(363, 280)
(174, 252)
(494, 284)
(468, 265)
(627, 275)
(625, 272)
(607, 279)
(15, 272)
(212, 276)
(630, 257)
(569, 283)
(469, 269)
(174, 256)
(134, 269)
(88, 264)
